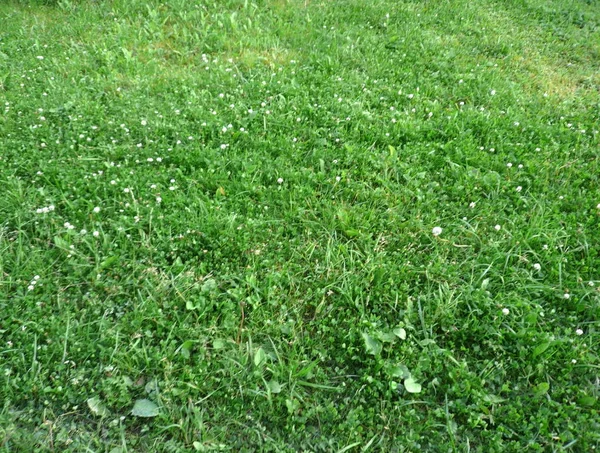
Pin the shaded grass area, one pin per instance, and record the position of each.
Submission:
(261, 265)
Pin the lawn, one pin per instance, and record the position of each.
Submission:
(299, 225)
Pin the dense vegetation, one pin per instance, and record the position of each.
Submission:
(299, 225)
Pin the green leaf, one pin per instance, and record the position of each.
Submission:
(274, 386)
(400, 333)
(386, 337)
(485, 283)
(197, 445)
(144, 408)
(260, 357)
(493, 399)
(209, 285)
(108, 262)
(97, 407)
(186, 349)
(61, 243)
(400, 371)
(586, 401)
(541, 348)
(541, 389)
(411, 386)
(371, 344)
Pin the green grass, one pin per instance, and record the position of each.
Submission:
(222, 213)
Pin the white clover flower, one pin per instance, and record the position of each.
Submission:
(566, 296)
(537, 267)
(436, 231)
(579, 332)
(143, 122)
(472, 204)
(493, 92)
(505, 311)
(96, 234)
(497, 227)
(126, 190)
(97, 209)
(509, 165)
(338, 178)
(519, 188)
(36, 278)
(30, 288)
(279, 180)
(159, 200)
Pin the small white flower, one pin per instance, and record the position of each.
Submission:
(150, 159)
(509, 165)
(598, 207)
(51, 207)
(279, 180)
(36, 278)
(113, 182)
(97, 209)
(144, 122)
(519, 188)
(436, 231)
(126, 190)
(158, 199)
(30, 288)
(579, 332)
(493, 92)
(574, 361)
(505, 311)
(171, 187)
(472, 204)
(537, 266)
(591, 283)
(39, 57)
(338, 178)
(96, 233)
(497, 227)
(566, 296)
(159, 159)
(83, 232)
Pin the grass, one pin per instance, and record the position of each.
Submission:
(217, 226)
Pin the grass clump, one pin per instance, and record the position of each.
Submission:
(299, 226)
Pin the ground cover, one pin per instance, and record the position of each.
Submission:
(285, 225)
